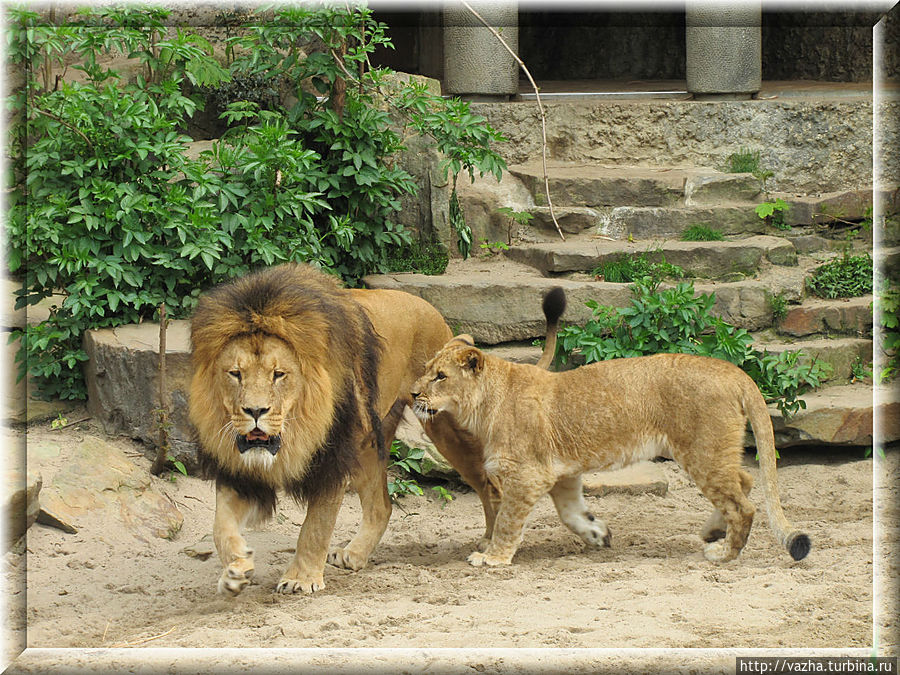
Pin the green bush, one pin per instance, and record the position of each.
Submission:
(425, 258)
(107, 209)
(846, 276)
(678, 320)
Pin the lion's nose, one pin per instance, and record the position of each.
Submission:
(255, 413)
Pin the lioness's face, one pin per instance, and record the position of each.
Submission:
(449, 382)
(259, 384)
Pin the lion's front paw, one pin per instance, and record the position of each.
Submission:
(236, 576)
(289, 585)
(483, 543)
(478, 559)
(346, 559)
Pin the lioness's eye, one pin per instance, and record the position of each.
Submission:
(277, 375)
(236, 374)
(440, 376)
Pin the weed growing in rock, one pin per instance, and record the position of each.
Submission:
(629, 268)
(774, 212)
(845, 276)
(515, 218)
(743, 161)
(678, 320)
(702, 233)
(492, 248)
(888, 315)
(779, 306)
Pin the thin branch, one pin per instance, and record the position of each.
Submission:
(142, 641)
(65, 124)
(540, 108)
(162, 450)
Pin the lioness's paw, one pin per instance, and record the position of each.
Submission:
(718, 552)
(478, 559)
(598, 537)
(483, 543)
(235, 577)
(288, 585)
(346, 559)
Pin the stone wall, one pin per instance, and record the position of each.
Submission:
(810, 145)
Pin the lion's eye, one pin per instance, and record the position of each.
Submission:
(440, 376)
(236, 374)
(277, 375)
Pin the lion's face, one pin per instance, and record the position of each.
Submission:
(258, 383)
(450, 382)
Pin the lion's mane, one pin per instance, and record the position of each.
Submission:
(338, 354)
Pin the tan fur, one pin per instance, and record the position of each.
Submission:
(295, 369)
(542, 430)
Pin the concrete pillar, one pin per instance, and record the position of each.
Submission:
(476, 65)
(724, 48)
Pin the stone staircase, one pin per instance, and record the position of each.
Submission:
(607, 211)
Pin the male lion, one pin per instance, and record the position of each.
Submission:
(299, 384)
(541, 430)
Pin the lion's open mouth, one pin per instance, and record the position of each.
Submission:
(258, 439)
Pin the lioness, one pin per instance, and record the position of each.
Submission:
(541, 430)
(299, 383)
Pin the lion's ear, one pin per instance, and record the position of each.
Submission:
(470, 359)
(462, 340)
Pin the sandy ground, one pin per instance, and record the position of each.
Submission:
(103, 588)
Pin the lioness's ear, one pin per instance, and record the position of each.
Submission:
(460, 341)
(471, 359)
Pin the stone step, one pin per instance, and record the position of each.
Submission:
(846, 316)
(499, 300)
(842, 415)
(842, 354)
(593, 185)
(708, 259)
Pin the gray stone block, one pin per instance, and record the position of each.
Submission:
(475, 62)
(723, 48)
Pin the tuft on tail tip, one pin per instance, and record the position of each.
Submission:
(554, 304)
(799, 545)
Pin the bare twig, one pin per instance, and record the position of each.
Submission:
(142, 640)
(162, 449)
(537, 95)
(65, 124)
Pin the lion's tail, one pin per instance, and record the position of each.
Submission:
(554, 305)
(796, 542)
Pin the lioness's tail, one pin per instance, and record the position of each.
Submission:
(796, 542)
(554, 305)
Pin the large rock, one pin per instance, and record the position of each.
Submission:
(122, 377)
(96, 476)
(480, 201)
(851, 316)
(842, 416)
